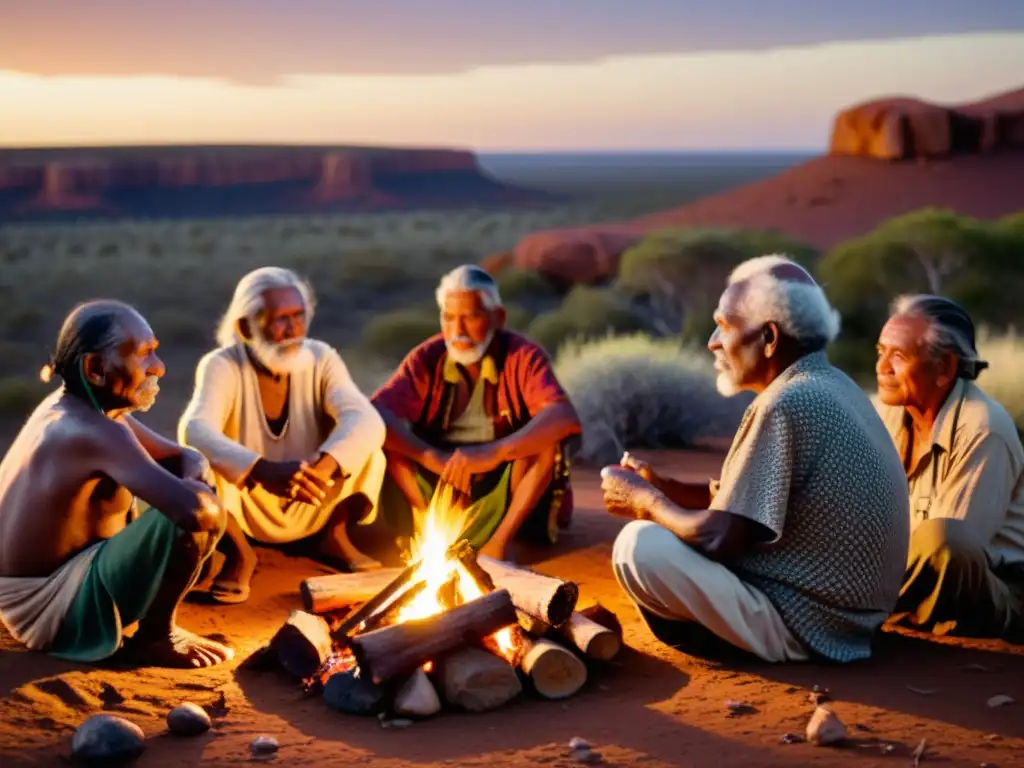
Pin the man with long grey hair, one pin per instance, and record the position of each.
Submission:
(965, 470)
(294, 444)
(797, 551)
(477, 410)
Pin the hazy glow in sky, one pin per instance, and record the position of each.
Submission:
(781, 98)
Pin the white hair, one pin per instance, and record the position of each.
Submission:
(800, 309)
(247, 302)
(469, 278)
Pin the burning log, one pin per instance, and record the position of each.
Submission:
(544, 597)
(555, 672)
(323, 594)
(376, 602)
(477, 680)
(302, 644)
(399, 649)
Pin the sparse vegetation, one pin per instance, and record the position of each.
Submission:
(633, 391)
(587, 312)
(1002, 381)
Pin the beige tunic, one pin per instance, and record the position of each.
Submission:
(972, 471)
(327, 413)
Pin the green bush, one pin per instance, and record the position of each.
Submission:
(635, 391)
(586, 312)
(679, 274)
(518, 318)
(392, 335)
(517, 284)
(19, 395)
(926, 251)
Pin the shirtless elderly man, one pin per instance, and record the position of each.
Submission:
(294, 445)
(798, 551)
(965, 471)
(73, 570)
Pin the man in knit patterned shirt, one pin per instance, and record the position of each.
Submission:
(798, 552)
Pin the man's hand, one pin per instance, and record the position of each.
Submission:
(290, 480)
(641, 467)
(627, 494)
(435, 461)
(468, 461)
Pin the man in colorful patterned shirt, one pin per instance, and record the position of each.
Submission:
(479, 408)
(799, 550)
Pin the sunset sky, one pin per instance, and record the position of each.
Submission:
(524, 75)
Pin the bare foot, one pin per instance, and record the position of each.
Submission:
(344, 551)
(231, 586)
(180, 649)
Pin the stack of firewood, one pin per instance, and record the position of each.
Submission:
(348, 644)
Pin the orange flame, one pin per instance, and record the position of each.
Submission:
(436, 530)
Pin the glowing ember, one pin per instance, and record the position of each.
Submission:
(437, 530)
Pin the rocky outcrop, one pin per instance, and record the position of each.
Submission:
(904, 128)
(839, 195)
(569, 256)
(212, 181)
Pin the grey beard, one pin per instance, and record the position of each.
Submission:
(279, 359)
(470, 356)
(146, 394)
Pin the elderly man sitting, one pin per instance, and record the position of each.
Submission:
(294, 444)
(798, 551)
(964, 465)
(74, 572)
(478, 408)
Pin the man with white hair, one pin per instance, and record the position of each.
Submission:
(965, 469)
(797, 552)
(295, 446)
(478, 409)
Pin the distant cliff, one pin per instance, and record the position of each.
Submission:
(172, 182)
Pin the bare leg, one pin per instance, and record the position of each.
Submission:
(159, 640)
(530, 479)
(232, 584)
(336, 543)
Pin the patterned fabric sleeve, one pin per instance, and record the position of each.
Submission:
(758, 474)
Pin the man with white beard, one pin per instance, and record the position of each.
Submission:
(75, 568)
(798, 551)
(478, 409)
(294, 445)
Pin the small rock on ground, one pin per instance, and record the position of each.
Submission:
(188, 719)
(263, 745)
(578, 742)
(825, 728)
(107, 738)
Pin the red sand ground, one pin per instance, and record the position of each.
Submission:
(653, 707)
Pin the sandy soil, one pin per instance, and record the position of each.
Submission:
(654, 706)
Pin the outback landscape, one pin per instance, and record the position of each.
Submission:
(614, 265)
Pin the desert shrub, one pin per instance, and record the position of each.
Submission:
(1002, 380)
(679, 274)
(586, 312)
(392, 335)
(521, 285)
(518, 318)
(1013, 225)
(19, 395)
(635, 391)
(927, 251)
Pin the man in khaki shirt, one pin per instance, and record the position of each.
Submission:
(964, 463)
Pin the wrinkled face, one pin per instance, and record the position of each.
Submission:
(279, 331)
(468, 326)
(907, 375)
(129, 375)
(736, 346)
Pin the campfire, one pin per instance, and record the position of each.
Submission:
(450, 626)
